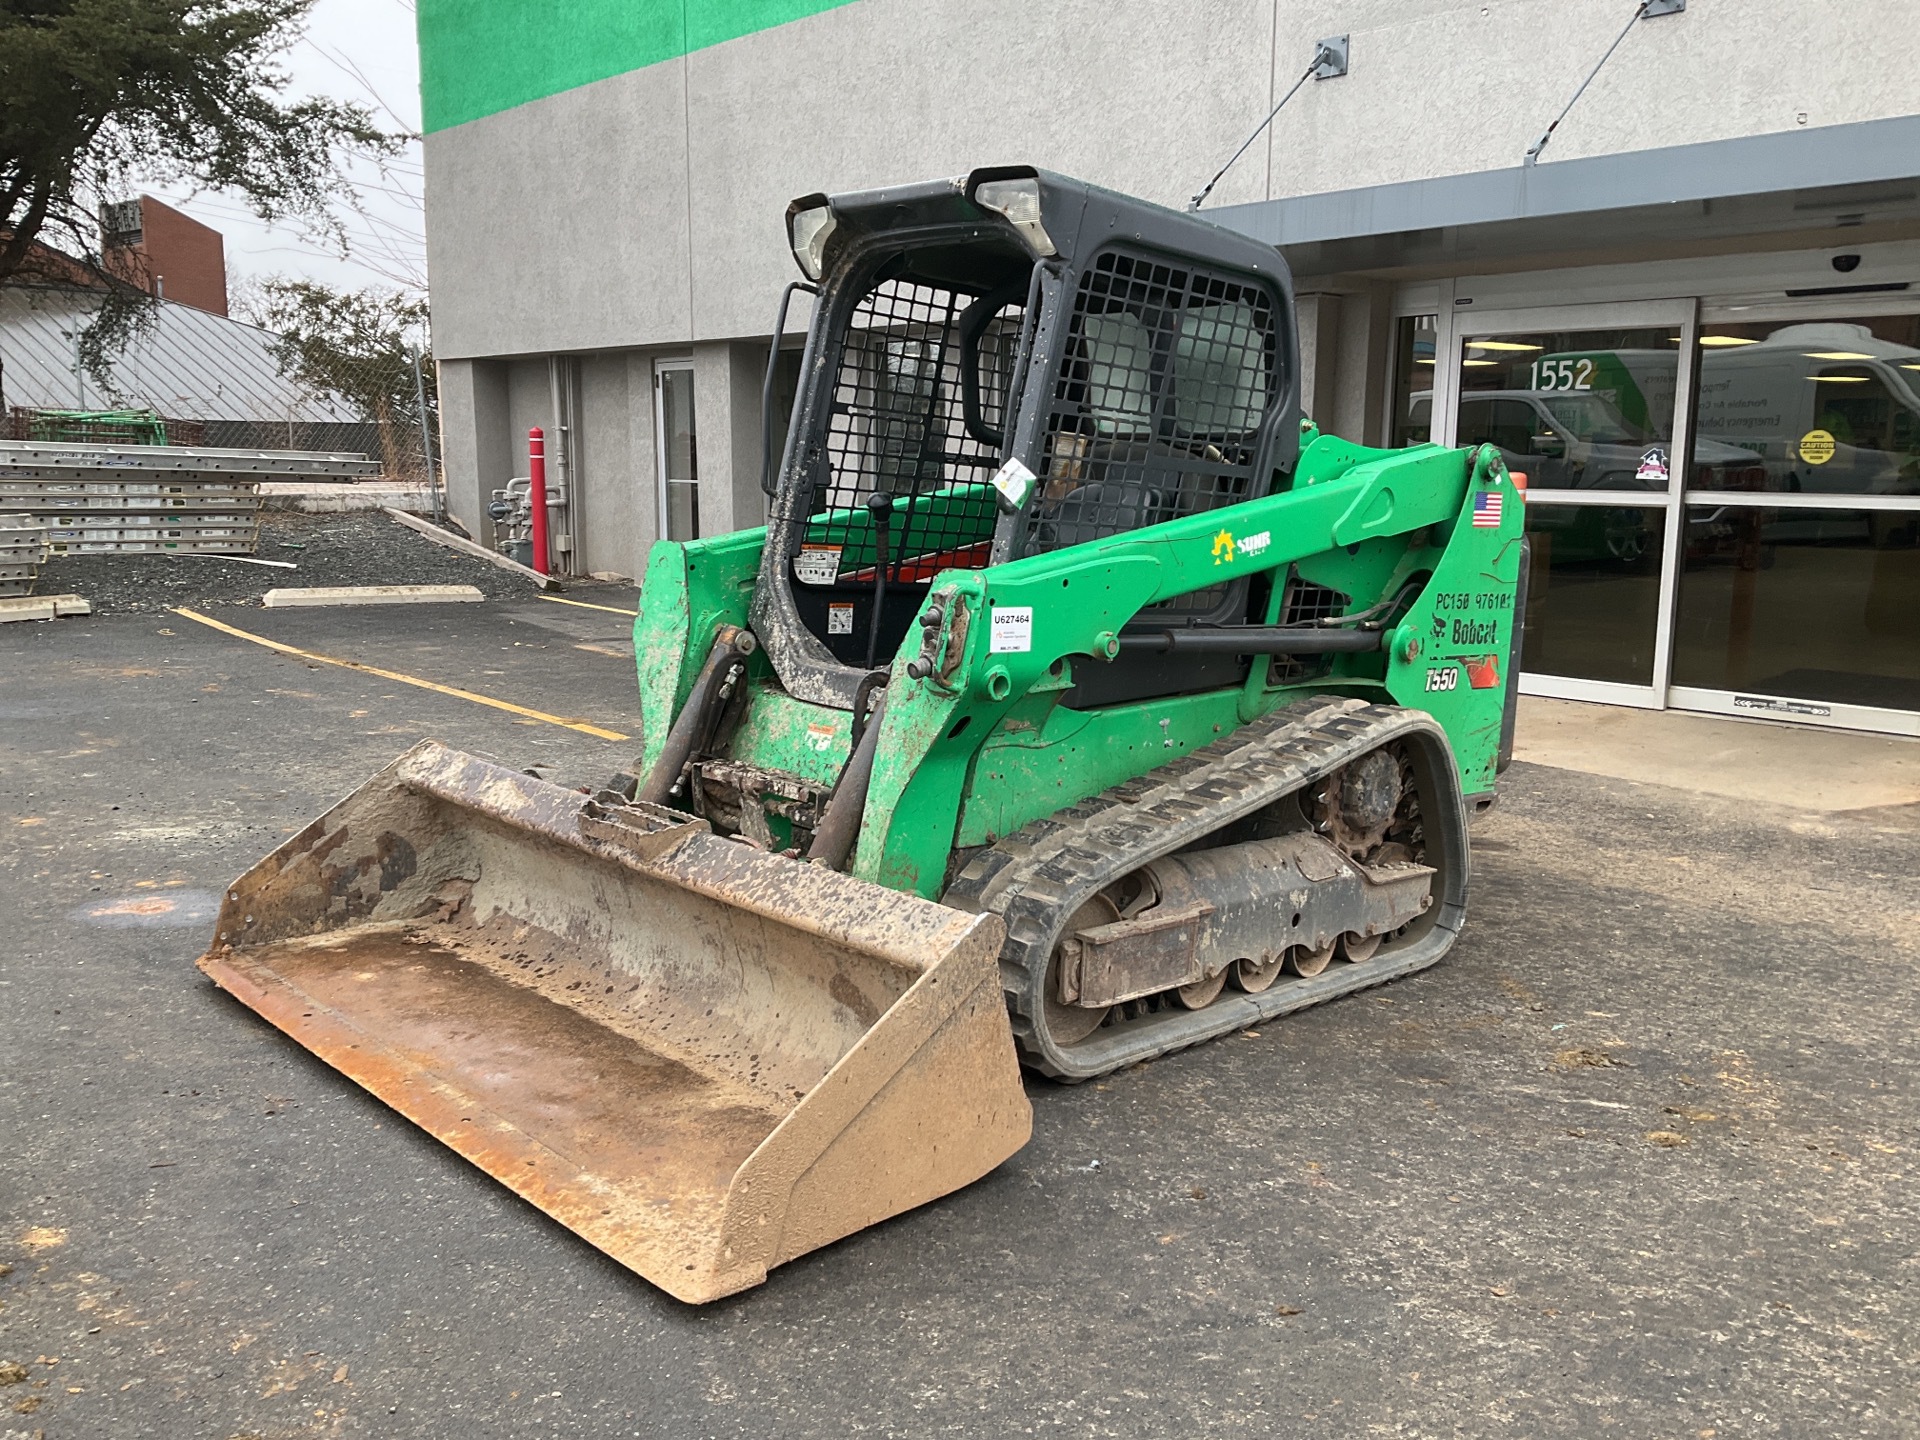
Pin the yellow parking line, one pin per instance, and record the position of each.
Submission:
(488, 700)
(584, 605)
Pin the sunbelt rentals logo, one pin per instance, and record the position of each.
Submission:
(1225, 546)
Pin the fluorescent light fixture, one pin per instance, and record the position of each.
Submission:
(1836, 355)
(1501, 345)
(1839, 379)
(1479, 362)
(1429, 362)
(1721, 340)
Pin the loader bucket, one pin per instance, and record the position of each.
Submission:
(702, 1058)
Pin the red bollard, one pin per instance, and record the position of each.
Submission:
(537, 495)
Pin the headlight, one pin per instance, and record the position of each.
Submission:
(811, 230)
(1019, 201)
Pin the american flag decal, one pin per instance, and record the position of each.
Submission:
(1486, 510)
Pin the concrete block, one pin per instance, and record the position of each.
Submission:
(318, 497)
(370, 595)
(468, 547)
(27, 607)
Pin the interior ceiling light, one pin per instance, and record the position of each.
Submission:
(1836, 355)
(1479, 362)
(1727, 340)
(1838, 379)
(1501, 345)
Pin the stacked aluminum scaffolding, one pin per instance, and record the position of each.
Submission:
(137, 499)
(23, 550)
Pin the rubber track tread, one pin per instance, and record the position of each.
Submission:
(1036, 878)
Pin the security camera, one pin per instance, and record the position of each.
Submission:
(1846, 264)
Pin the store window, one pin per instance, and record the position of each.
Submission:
(1413, 368)
(1829, 407)
(1801, 604)
(1574, 409)
(679, 458)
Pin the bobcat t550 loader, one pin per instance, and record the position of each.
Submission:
(1079, 702)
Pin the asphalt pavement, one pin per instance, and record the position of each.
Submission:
(1638, 1158)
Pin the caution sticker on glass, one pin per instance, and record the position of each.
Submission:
(817, 564)
(1011, 631)
(840, 617)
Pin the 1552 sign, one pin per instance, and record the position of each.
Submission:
(1563, 374)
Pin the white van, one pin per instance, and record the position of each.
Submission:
(1580, 440)
(1827, 408)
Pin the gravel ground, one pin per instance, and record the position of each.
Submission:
(352, 548)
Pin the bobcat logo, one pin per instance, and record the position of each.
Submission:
(1223, 548)
(1439, 627)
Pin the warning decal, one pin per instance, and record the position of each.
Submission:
(840, 618)
(817, 564)
(1817, 447)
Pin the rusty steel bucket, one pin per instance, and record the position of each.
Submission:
(702, 1058)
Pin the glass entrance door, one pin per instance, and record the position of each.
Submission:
(1799, 593)
(1588, 402)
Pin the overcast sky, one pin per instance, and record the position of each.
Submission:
(354, 50)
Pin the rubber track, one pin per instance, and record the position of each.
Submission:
(1038, 877)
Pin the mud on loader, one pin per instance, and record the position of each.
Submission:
(1079, 702)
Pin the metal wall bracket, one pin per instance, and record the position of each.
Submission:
(1657, 8)
(1330, 55)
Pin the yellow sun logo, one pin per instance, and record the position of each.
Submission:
(1223, 548)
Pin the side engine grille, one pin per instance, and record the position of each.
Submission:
(1303, 603)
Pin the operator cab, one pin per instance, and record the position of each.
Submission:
(1136, 363)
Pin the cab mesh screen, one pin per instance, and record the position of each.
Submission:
(897, 426)
(1156, 414)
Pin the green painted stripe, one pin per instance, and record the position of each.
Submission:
(479, 57)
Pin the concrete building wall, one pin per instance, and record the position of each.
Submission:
(473, 437)
(613, 463)
(727, 381)
(1446, 87)
(641, 214)
(561, 225)
(646, 208)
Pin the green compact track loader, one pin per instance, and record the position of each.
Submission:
(1079, 701)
